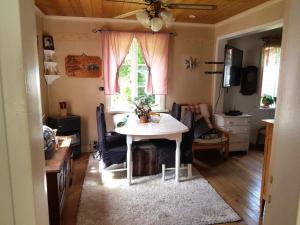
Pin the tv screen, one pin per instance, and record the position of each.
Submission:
(233, 62)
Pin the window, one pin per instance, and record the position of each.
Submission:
(132, 80)
(271, 64)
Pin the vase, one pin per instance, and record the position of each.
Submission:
(143, 119)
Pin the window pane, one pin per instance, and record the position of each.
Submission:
(132, 80)
(140, 56)
(270, 71)
(141, 80)
(125, 71)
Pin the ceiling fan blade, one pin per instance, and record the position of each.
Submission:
(124, 1)
(125, 15)
(191, 6)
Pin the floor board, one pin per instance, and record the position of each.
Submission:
(237, 180)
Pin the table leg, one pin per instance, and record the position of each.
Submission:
(177, 160)
(129, 159)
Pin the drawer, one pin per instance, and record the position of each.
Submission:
(238, 146)
(239, 138)
(236, 121)
(231, 121)
(236, 129)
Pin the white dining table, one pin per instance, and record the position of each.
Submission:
(167, 128)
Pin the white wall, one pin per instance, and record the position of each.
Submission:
(252, 47)
(264, 17)
(285, 157)
(75, 36)
(24, 199)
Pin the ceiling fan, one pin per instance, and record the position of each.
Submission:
(156, 13)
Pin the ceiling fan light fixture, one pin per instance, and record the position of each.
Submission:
(142, 16)
(167, 17)
(156, 24)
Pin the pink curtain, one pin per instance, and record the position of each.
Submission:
(155, 48)
(115, 47)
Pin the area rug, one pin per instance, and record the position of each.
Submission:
(107, 199)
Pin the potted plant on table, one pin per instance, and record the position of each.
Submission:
(143, 108)
(267, 100)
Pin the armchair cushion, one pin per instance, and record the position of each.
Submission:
(210, 141)
(201, 127)
(201, 111)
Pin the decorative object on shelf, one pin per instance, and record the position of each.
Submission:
(50, 64)
(48, 42)
(63, 108)
(83, 66)
(143, 108)
(158, 12)
(267, 100)
(50, 68)
(191, 63)
(49, 55)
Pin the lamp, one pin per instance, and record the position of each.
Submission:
(155, 21)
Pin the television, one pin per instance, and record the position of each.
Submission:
(233, 62)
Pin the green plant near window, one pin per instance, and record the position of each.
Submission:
(267, 100)
(143, 106)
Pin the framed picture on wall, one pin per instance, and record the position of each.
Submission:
(83, 66)
(48, 42)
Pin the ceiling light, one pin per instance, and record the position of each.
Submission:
(192, 16)
(156, 24)
(155, 21)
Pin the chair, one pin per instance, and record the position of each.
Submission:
(112, 147)
(166, 148)
(176, 111)
(202, 111)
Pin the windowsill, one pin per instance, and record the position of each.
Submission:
(122, 112)
(267, 108)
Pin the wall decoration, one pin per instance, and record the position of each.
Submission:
(191, 63)
(83, 66)
(48, 42)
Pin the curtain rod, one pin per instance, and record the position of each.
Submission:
(95, 30)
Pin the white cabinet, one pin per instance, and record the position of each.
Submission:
(238, 128)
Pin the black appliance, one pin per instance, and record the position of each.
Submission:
(234, 113)
(49, 142)
(249, 80)
(68, 126)
(233, 62)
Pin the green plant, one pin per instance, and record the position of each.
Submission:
(143, 105)
(267, 100)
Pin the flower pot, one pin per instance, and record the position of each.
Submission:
(143, 119)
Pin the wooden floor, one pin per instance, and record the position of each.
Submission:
(237, 180)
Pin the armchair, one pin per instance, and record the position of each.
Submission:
(221, 142)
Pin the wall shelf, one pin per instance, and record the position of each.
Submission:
(50, 66)
(214, 63)
(51, 78)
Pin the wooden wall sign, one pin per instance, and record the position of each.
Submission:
(83, 66)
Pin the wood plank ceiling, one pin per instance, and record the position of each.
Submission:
(107, 9)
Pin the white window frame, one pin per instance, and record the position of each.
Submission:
(260, 95)
(158, 98)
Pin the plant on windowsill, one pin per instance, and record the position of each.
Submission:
(143, 108)
(267, 100)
